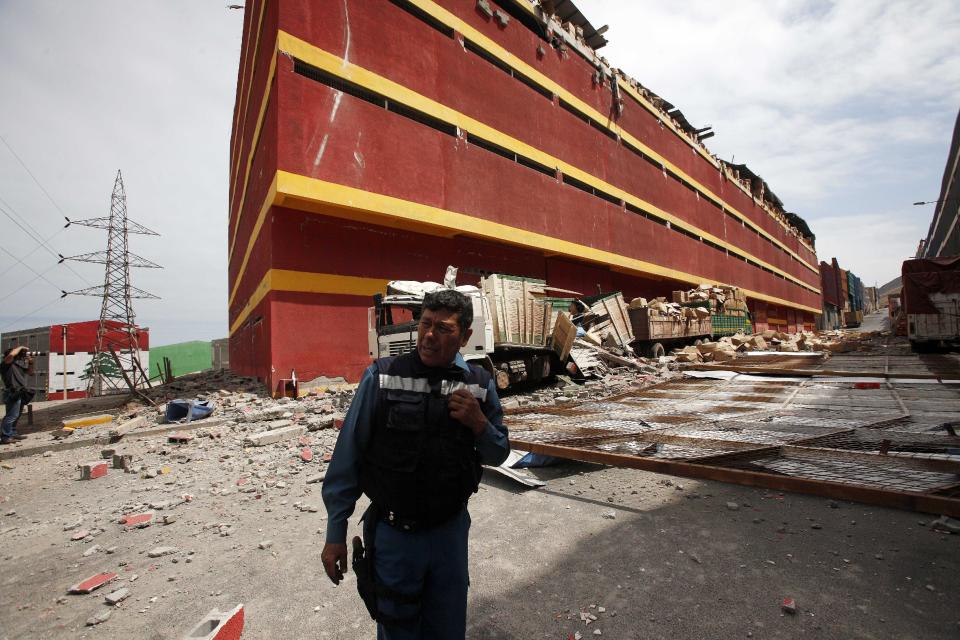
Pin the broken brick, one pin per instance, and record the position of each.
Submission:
(93, 470)
(789, 605)
(306, 454)
(217, 625)
(92, 583)
(180, 437)
(139, 520)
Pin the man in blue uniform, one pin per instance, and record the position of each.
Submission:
(418, 429)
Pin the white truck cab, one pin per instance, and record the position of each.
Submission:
(392, 326)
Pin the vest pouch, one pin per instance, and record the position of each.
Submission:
(407, 411)
(399, 446)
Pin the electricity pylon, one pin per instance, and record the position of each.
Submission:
(117, 332)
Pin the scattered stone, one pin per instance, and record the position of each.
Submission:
(70, 526)
(789, 605)
(158, 552)
(91, 550)
(945, 524)
(117, 596)
(101, 616)
(610, 515)
(317, 478)
(80, 535)
(274, 435)
(266, 544)
(733, 506)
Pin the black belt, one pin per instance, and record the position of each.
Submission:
(411, 524)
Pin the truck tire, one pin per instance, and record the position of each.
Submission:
(657, 350)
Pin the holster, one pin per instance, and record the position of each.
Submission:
(363, 566)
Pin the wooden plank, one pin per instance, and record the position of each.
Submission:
(807, 373)
(564, 333)
(926, 503)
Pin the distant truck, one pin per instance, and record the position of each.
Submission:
(692, 318)
(931, 302)
(517, 334)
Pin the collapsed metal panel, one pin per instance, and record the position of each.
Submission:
(826, 436)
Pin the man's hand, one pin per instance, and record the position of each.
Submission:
(334, 558)
(465, 409)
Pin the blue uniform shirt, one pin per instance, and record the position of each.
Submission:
(341, 486)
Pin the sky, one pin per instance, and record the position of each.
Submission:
(845, 108)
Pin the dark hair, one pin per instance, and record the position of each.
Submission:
(452, 301)
(7, 352)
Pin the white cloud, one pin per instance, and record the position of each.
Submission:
(872, 244)
(846, 108)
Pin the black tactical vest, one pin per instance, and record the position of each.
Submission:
(420, 463)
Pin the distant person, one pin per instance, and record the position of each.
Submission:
(16, 364)
(418, 429)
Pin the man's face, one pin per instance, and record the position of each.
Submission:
(439, 337)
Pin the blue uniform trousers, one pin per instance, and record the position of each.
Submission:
(432, 563)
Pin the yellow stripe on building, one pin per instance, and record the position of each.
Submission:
(306, 282)
(335, 65)
(335, 200)
(497, 51)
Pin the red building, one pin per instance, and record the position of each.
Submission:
(377, 140)
(62, 356)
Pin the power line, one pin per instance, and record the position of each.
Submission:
(35, 237)
(39, 275)
(31, 252)
(49, 197)
(25, 168)
(27, 315)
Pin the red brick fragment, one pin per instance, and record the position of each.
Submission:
(180, 437)
(92, 583)
(93, 470)
(217, 625)
(338, 423)
(306, 454)
(305, 441)
(327, 457)
(138, 520)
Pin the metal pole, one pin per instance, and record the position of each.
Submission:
(63, 330)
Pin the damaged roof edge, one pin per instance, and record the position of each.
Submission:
(551, 18)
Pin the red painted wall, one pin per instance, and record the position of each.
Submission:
(312, 130)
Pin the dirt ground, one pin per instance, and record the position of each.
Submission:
(675, 561)
(647, 555)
